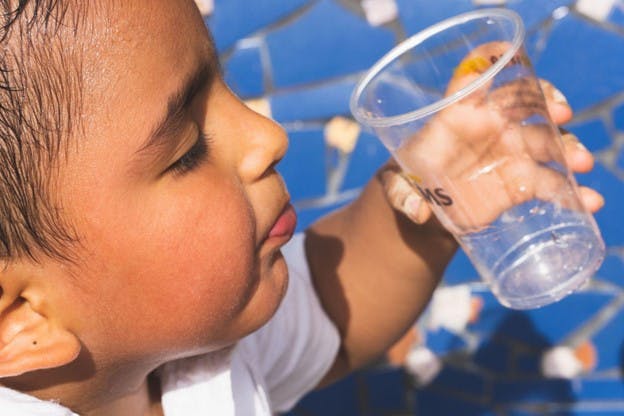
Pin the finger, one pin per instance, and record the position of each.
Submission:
(402, 196)
(399, 193)
(592, 200)
(578, 158)
(475, 63)
(542, 146)
(551, 182)
(540, 142)
(524, 180)
(558, 108)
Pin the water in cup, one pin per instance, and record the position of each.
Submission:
(535, 253)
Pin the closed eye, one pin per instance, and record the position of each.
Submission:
(193, 158)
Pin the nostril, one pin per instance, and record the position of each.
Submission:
(272, 169)
(256, 163)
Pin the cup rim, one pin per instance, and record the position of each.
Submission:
(364, 117)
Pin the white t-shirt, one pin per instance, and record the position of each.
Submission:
(266, 372)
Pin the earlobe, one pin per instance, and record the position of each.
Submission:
(30, 341)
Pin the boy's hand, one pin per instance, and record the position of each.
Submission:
(466, 138)
(406, 199)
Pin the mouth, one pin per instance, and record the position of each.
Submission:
(284, 226)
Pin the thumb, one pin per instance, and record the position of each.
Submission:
(558, 107)
(402, 195)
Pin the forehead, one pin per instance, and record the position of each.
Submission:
(161, 31)
(151, 20)
(138, 52)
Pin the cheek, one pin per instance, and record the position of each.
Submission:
(184, 267)
(208, 242)
(213, 254)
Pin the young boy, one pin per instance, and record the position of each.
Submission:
(142, 221)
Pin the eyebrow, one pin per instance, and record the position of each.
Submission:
(177, 103)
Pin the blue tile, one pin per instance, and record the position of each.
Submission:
(612, 270)
(416, 15)
(594, 53)
(368, 156)
(618, 117)
(493, 316)
(515, 412)
(459, 381)
(533, 391)
(460, 270)
(493, 356)
(438, 403)
(593, 134)
(328, 41)
(235, 19)
(443, 342)
(595, 410)
(609, 342)
(306, 216)
(244, 73)
(609, 218)
(603, 389)
(317, 102)
(528, 364)
(556, 321)
(303, 167)
(617, 14)
(336, 400)
(534, 42)
(534, 12)
(386, 390)
(539, 327)
(619, 162)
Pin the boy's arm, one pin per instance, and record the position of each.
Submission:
(374, 271)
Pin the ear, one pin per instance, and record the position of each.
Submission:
(29, 339)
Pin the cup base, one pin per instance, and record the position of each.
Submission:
(546, 271)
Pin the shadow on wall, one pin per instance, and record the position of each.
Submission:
(505, 377)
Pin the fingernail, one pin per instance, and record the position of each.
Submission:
(582, 147)
(601, 201)
(559, 97)
(411, 206)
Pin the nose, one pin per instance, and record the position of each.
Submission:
(264, 143)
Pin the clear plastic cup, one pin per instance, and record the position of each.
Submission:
(459, 107)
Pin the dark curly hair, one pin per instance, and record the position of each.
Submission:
(40, 100)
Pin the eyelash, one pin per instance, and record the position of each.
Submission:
(194, 157)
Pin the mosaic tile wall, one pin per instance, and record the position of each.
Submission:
(298, 60)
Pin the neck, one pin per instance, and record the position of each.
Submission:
(90, 393)
(144, 401)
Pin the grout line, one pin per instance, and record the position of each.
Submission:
(603, 24)
(337, 172)
(267, 67)
(323, 201)
(264, 30)
(596, 322)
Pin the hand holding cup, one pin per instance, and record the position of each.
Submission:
(472, 142)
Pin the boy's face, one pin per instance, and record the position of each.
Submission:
(176, 256)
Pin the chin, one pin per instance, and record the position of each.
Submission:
(270, 291)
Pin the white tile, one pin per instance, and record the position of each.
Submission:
(595, 9)
(260, 106)
(206, 7)
(379, 12)
(342, 133)
(489, 2)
